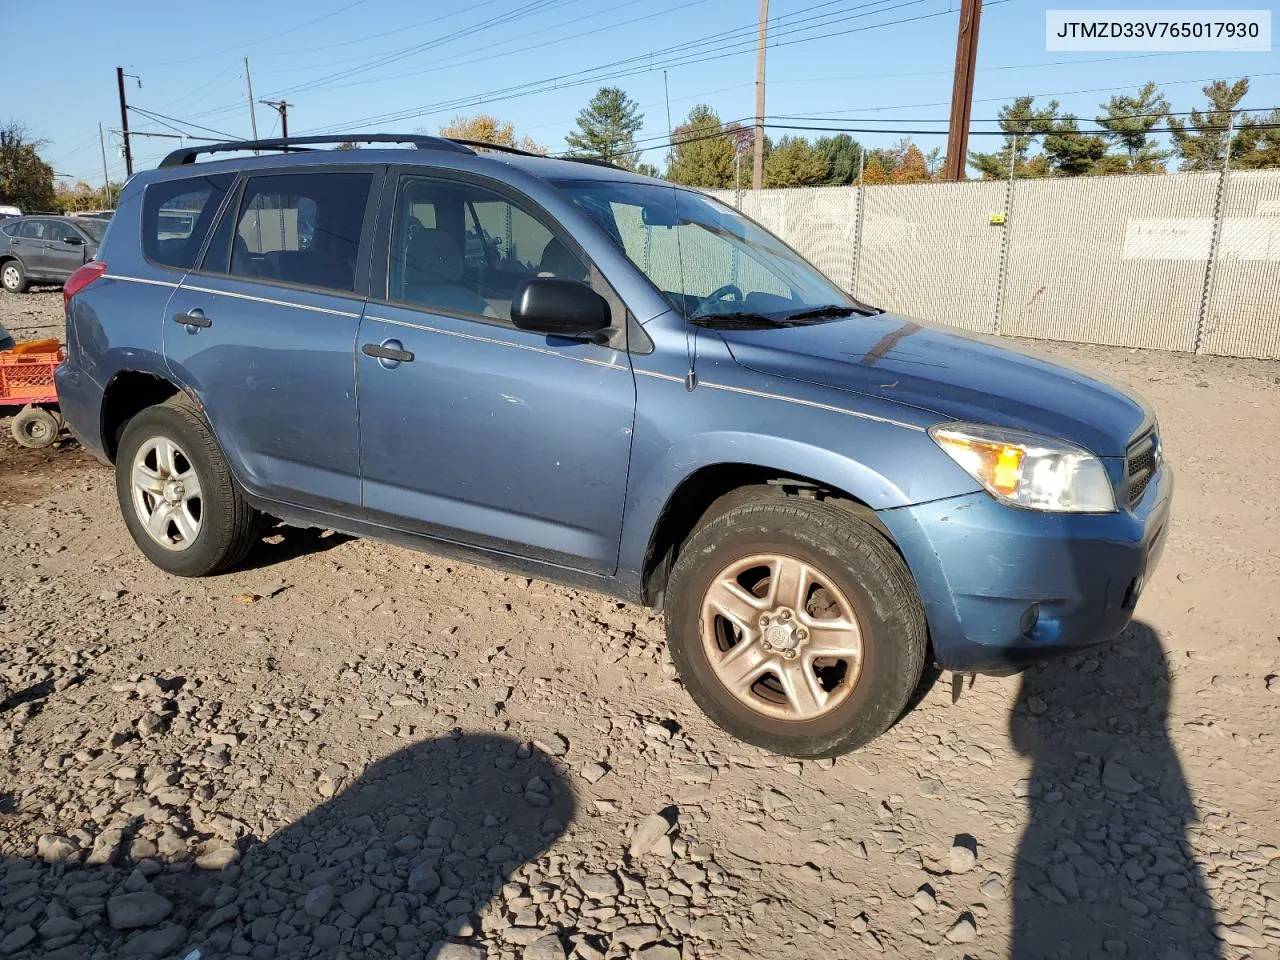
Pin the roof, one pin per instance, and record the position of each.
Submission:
(469, 154)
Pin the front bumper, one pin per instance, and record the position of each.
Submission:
(1002, 587)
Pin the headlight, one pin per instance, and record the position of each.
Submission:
(1027, 470)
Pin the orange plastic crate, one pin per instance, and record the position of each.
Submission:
(26, 376)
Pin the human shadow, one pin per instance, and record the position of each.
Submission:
(1105, 867)
(401, 858)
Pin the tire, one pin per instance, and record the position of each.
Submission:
(846, 566)
(13, 276)
(197, 534)
(35, 427)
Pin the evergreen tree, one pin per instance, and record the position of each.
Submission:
(1070, 152)
(842, 155)
(1202, 142)
(1022, 124)
(794, 162)
(701, 154)
(1128, 122)
(1258, 144)
(873, 174)
(607, 128)
(648, 170)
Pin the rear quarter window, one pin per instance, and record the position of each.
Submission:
(177, 215)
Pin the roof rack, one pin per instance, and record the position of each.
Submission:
(503, 148)
(188, 155)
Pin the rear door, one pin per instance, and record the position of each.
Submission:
(264, 330)
(30, 246)
(471, 430)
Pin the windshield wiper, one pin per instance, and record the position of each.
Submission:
(819, 313)
(740, 318)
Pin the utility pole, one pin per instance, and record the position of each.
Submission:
(124, 123)
(281, 107)
(253, 118)
(106, 178)
(962, 91)
(757, 167)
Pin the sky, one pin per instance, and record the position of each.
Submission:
(404, 66)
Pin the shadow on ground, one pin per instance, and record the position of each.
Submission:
(402, 856)
(1105, 868)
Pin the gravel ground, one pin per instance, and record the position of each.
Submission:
(351, 750)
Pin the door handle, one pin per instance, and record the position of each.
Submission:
(193, 319)
(389, 353)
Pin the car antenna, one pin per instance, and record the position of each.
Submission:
(690, 340)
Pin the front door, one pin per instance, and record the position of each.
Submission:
(474, 431)
(64, 249)
(265, 330)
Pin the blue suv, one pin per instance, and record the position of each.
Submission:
(567, 370)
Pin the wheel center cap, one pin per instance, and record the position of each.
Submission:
(780, 636)
(174, 491)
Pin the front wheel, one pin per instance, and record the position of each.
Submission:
(796, 626)
(176, 492)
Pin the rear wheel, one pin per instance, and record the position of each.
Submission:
(796, 626)
(13, 277)
(35, 427)
(177, 494)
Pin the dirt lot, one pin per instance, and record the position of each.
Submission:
(348, 749)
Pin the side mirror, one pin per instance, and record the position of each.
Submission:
(74, 241)
(564, 308)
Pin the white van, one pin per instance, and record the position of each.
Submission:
(9, 211)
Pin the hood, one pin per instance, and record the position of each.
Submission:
(957, 375)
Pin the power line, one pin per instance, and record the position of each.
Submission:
(161, 118)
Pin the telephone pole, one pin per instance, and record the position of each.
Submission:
(281, 107)
(757, 166)
(253, 118)
(124, 123)
(962, 91)
(106, 177)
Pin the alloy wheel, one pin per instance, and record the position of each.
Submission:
(166, 493)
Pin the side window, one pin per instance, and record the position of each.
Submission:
(32, 230)
(177, 215)
(301, 228)
(9, 229)
(464, 249)
(59, 231)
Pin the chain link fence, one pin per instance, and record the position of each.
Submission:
(1187, 261)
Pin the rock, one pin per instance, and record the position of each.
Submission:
(105, 848)
(129, 911)
(17, 939)
(993, 887)
(360, 901)
(423, 879)
(860, 923)
(53, 848)
(593, 772)
(651, 830)
(600, 886)
(1116, 776)
(56, 927)
(964, 854)
(1240, 935)
(659, 951)
(451, 950)
(553, 744)
(318, 901)
(636, 935)
(442, 828)
(155, 943)
(925, 899)
(544, 948)
(219, 858)
(964, 930)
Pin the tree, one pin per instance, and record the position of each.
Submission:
(80, 197)
(648, 170)
(1022, 124)
(842, 154)
(794, 162)
(607, 128)
(702, 151)
(1202, 142)
(1071, 153)
(1258, 144)
(1128, 122)
(911, 166)
(26, 181)
(873, 174)
(486, 128)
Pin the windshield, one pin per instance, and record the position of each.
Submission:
(708, 260)
(96, 229)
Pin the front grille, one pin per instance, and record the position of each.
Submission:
(1143, 459)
